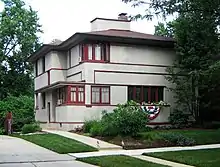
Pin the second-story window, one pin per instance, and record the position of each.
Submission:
(96, 52)
(36, 68)
(43, 64)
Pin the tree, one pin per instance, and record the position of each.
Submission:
(166, 30)
(19, 38)
(197, 42)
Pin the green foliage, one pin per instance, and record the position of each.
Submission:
(166, 30)
(31, 128)
(177, 139)
(19, 30)
(129, 118)
(21, 108)
(126, 119)
(2, 131)
(194, 75)
(88, 125)
(179, 119)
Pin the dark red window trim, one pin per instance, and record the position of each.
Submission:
(104, 58)
(69, 101)
(100, 94)
(134, 93)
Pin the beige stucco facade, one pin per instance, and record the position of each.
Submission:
(128, 65)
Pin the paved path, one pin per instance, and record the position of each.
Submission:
(15, 152)
(161, 161)
(141, 151)
(101, 145)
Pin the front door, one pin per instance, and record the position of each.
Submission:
(48, 111)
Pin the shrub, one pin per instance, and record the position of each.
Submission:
(126, 119)
(22, 110)
(31, 128)
(2, 131)
(177, 139)
(129, 119)
(88, 125)
(97, 129)
(179, 119)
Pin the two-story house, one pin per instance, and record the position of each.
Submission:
(75, 80)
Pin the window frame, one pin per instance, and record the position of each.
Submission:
(77, 94)
(36, 68)
(89, 52)
(43, 96)
(100, 95)
(142, 93)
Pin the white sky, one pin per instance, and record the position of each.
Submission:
(62, 18)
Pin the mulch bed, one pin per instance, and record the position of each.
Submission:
(134, 143)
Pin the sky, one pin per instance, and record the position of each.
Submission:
(62, 18)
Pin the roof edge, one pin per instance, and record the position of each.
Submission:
(109, 19)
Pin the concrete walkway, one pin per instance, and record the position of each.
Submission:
(100, 145)
(141, 151)
(15, 152)
(161, 161)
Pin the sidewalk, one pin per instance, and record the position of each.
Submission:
(100, 145)
(141, 151)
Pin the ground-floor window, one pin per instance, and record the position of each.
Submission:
(61, 95)
(77, 94)
(100, 94)
(146, 93)
(43, 96)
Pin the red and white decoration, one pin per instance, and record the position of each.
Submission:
(152, 111)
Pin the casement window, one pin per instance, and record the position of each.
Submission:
(61, 95)
(43, 96)
(36, 68)
(77, 94)
(145, 93)
(95, 52)
(100, 95)
(43, 64)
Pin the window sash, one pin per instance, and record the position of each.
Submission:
(100, 95)
(77, 94)
(145, 93)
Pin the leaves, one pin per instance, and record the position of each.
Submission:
(19, 30)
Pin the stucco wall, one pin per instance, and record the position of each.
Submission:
(141, 55)
(99, 25)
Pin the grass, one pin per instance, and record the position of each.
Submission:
(57, 143)
(200, 136)
(200, 158)
(118, 161)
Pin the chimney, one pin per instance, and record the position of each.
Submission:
(122, 16)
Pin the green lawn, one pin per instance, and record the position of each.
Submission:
(198, 158)
(57, 143)
(200, 136)
(118, 161)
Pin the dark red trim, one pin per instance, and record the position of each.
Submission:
(68, 94)
(93, 52)
(85, 52)
(100, 95)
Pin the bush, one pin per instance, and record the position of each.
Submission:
(179, 119)
(129, 119)
(31, 128)
(177, 139)
(22, 110)
(2, 131)
(88, 125)
(126, 119)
